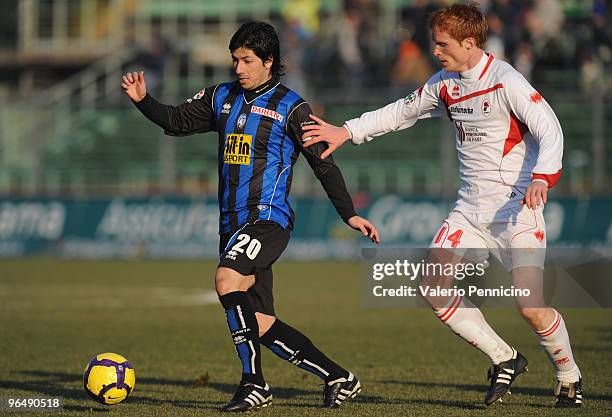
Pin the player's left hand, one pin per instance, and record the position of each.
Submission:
(365, 227)
(536, 195)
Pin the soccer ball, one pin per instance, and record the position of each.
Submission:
(109, 378)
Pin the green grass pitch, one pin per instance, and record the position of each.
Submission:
(163, 316)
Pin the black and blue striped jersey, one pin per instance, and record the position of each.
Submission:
(259, 140)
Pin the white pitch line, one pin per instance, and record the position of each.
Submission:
(132, 297)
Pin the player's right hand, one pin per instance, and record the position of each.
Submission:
(134, 85)
(334, 136)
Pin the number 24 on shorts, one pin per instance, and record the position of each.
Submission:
(253, 248)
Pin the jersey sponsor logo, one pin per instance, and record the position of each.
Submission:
(198, 96)
(486, 107)
(461, 110)
(469, 133)
(307, 123)
(226, 108)
(536, 97)
(267, 113)
(238, 149)
(412, 97)
(241, 121)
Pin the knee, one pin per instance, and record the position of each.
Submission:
(227, 280)
(264, 322)
(532, 314)
(224, 282)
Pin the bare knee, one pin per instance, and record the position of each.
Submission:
(227, 280)
(264, 322)
(532, 314)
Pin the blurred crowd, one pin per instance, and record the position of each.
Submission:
(538, 37)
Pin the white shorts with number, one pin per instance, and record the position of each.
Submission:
(516, 236)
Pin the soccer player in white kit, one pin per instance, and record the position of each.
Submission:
(510, 146)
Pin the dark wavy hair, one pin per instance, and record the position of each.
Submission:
(261, 38)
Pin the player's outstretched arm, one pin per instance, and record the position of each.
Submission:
(401, 114)
(194, 116)
(134, 85)
(365, 227)
(334, 136)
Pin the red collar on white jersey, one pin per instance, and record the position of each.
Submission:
(479, 70)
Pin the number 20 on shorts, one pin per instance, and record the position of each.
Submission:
(253, 246)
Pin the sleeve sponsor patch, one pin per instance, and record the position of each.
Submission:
(198, 95)
(307, 123)
(412, 97)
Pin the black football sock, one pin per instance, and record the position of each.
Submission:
(294, 347)
(245, 334)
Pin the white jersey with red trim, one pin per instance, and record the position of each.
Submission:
(506, 134)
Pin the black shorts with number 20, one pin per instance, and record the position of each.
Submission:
(251, 250)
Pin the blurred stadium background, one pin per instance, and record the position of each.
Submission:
(83, 174)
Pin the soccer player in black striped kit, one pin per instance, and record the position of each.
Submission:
(259, 124)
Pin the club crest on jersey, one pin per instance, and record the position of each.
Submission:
(539, 234)
(241, 121)
(226, 108)
(238, 149)
(198, 96)
(267, 113)
(486, 107)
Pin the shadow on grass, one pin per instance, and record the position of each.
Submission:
(61, 384)
(58, 384)
(49, 387)
(464, 405)
(83, 409)
(533, 391)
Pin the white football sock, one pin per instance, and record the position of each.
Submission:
(555, 341)
(467, 321)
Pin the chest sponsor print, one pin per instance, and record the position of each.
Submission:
(469, 133)
(461, 110)
(267, 112)
(238, 149)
